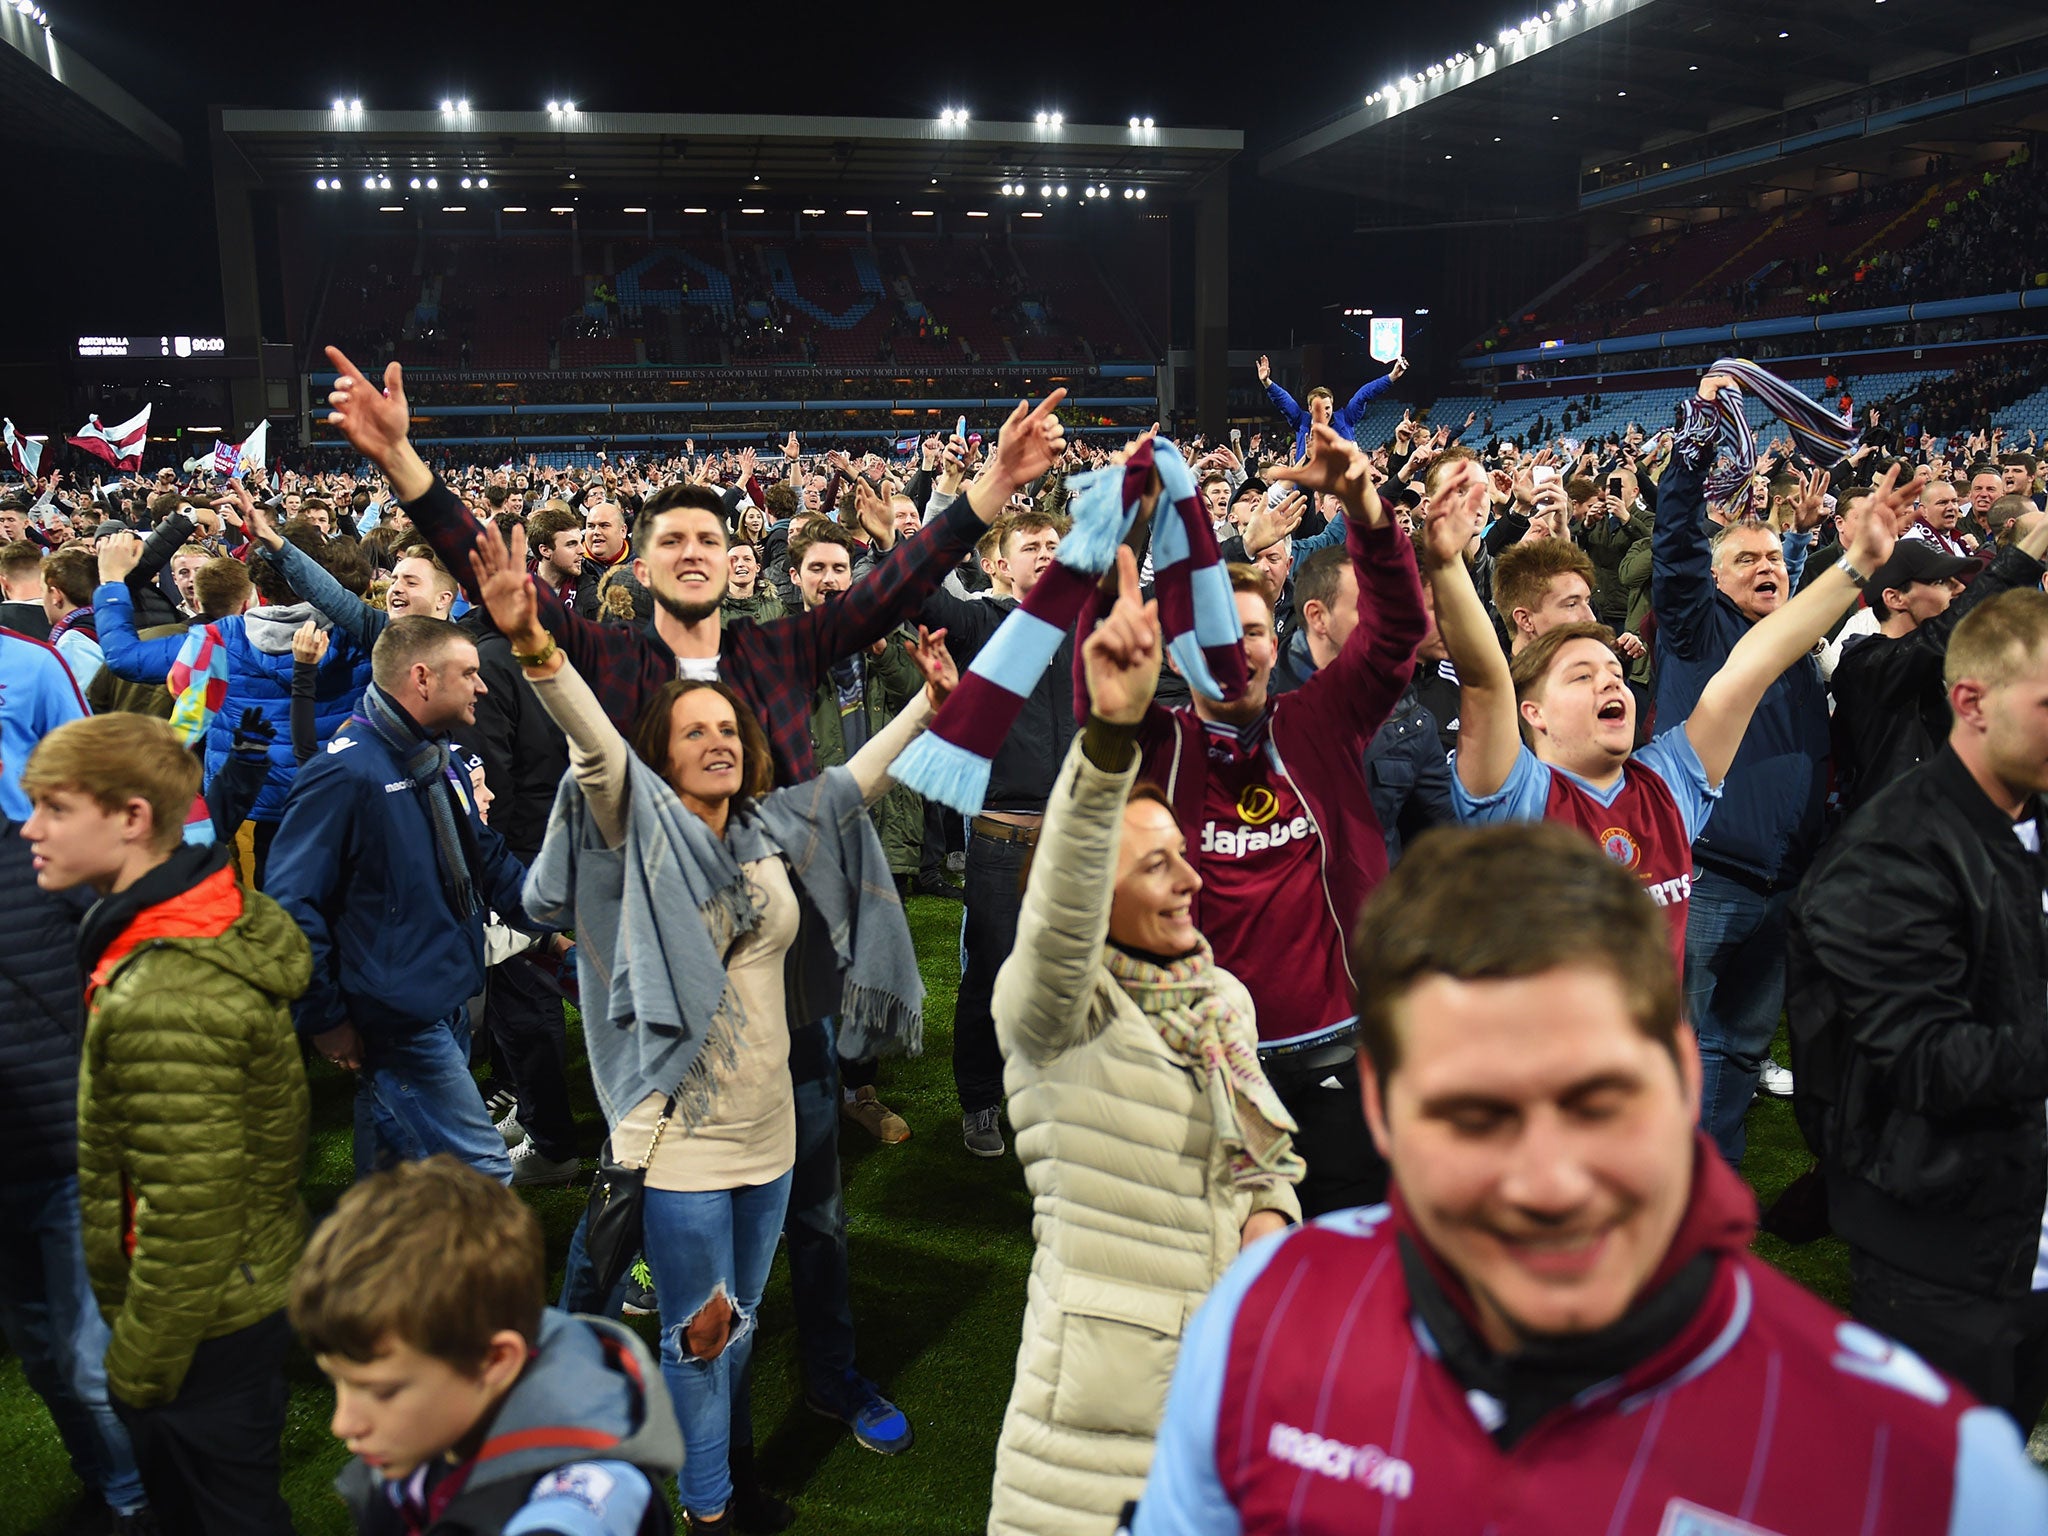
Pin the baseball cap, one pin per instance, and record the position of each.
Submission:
(1913, 560)
(109, 528)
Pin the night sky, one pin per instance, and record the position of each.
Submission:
(141, 258)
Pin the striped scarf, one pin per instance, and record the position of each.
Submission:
(950, 763)
(198, 682)
(1823, 435)
(1219, 1044)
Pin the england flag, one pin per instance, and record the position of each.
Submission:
(26, 452)
(120, 446)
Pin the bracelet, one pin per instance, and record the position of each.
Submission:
(1851, 572)
(539, 658)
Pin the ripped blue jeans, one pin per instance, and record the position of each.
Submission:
(704, 1244)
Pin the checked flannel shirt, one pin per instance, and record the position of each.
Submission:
(776, 667)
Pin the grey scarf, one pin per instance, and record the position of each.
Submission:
(425, 761)
(656, 917)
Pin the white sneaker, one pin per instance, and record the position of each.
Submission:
(510, 1128)
(1777, 1081)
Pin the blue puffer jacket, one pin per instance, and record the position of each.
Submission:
(259, 653)
(1767, 825)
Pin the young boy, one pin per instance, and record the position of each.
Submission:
(192, 1113)
(468, 1404)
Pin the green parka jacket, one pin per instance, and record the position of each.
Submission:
(192, 1117)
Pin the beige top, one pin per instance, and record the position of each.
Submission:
(750, 1136)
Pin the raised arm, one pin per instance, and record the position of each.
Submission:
(1681, 558)
(598, 754)
(1716, 724)
(1283, 402)
(1489, 730)
(113, 615)
(350, 614)
(1044, 993)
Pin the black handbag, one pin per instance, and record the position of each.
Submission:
(611, 1227)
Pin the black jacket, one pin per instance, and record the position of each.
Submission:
(1891, 710)
(1918, 961)
(1407, 768)
(1022, 775)
(40, 1024)
(1409, 775)
(525, 753)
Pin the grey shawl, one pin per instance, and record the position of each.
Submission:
(655, 917)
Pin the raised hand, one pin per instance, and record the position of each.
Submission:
(791, 450)
(1122, 654)
(119, 555)
(1455, 515)
(1030, 442)
(1871, 524)
(506, 589)
(1714, 383)
(935, 663)
(1806, 512)
(256, 518)
(1400, 367)
(1265, 369)
(1336, 465)
(374, 421)
(309, 643)
(873, 514)
(1269, 525)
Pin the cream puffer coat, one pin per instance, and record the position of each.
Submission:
(1134, 1214)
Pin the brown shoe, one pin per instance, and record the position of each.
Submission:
(875, 1117)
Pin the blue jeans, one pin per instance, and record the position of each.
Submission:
(1734, 994)
(415, 1097)
(53, 1323)
(995, 897)
(701, 1244)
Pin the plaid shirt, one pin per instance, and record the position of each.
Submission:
(776, 667)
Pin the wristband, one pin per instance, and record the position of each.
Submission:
(1851, 572)
(537, 659)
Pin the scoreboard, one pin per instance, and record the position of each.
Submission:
(152, 346)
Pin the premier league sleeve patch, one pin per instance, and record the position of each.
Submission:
(586, 1498)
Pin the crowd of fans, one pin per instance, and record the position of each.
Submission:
(1385, 872)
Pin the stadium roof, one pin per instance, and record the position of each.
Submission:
(781, 160)
(1516, 123)
(57, 111)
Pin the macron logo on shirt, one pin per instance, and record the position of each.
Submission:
(1366, 1464)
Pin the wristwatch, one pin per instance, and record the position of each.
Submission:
(537, 659)
(1843, 564)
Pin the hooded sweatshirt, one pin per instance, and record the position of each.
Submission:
(258, 647)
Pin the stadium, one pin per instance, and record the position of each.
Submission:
(1576, 274)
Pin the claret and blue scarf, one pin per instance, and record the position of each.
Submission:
(950, 762)
(1823, 435)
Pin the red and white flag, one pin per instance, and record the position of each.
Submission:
(120, 446)
(26, 452)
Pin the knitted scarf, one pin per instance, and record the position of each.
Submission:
(1823, 435)
(425, 762)
(1218, 1043)
(199, 682)
(950, 762)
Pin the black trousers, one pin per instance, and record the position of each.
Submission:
(1344, 1167)
(523, 1016)
(1995, 1347)
(209, 1457)
(941, 829)
(993, 901)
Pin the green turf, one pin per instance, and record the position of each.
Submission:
(940, 1243)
